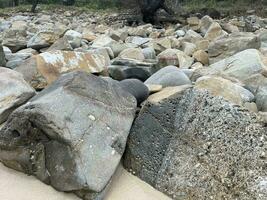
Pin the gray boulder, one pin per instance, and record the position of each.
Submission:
(70, 135)
(135, 87)
(15, 91)
(229, 45)
(191, 145)
(169, 76)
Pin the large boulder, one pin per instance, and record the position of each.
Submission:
(241, 66)
(15, 39)
(43, 69)
(70, 135)
(15, 91)
(219, 86)
(231, 44)
(192, 145)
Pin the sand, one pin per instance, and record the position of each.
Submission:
(18, 186)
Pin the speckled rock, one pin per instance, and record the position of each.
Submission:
(197, 146)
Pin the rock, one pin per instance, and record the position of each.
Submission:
(14, 92)
(138, 40)
(120, 72)
(188, 145)
(193, 22)
(202, 45)
(169, 76)
(251, 106)
(61, 44)
(219, 86)
(154, 88)
(2, 57)
(132, 53)
(229, 45)
(41, 138)
(118, 35)
(89, 36)
(135, 87)
(180, 33)
(214, 31)
(188, 48)
(42, 39)
(201, 56)
(175, 57)
(12, 64)
(230, 28)
(205, 24)
(149, 53)
(160, 44)
(43, 69)
(15, 39)
(192, 36)
(28, 51)
(241, 65)
(74, 38)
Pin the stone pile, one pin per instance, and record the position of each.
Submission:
(188, 102)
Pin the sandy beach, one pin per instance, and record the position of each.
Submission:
(18, 186)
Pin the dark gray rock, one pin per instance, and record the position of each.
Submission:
(119, 72)
(70, 135)
(191, 145)
(2, 57)
(137, 88)
(169, 76)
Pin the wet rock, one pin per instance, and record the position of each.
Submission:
(41, 138)
(15, 91)
(181, 140)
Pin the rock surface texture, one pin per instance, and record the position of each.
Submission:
(191, 145)
(70, 135)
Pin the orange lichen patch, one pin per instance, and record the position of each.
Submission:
(52, 64)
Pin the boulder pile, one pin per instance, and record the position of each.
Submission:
(182, 106)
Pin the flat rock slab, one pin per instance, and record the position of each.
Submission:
(192, 145)
(70, 135)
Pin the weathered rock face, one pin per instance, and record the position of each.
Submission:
(197, 146)
(241, 66)
(2, 57)
(42, 39)
(45, 68)
(219, 86)
(14, 92)
(15, 39)
(70, 135)
(231, 44)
